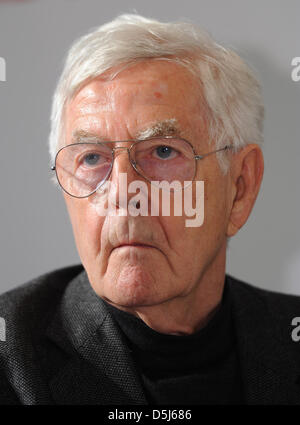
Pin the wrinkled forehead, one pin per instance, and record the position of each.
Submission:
(152, 89)
(158, 81)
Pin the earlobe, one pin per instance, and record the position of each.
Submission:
(246, 181)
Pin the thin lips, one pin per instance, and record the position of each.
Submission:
(134, 244)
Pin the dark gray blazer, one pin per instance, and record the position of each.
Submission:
(63, 347)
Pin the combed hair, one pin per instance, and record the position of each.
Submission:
(230, 90)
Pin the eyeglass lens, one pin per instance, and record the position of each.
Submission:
(83, 167)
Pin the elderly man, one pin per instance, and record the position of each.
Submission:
(150, 317)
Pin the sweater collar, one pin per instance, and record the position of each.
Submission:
(207, 345)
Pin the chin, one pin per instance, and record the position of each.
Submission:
(132, 285)
(133, 294)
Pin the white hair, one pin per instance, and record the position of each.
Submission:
(230, 90)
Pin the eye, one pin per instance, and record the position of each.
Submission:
(165, 152)
(91, 159)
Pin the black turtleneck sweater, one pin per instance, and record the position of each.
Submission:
(201, 368)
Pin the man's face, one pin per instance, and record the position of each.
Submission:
(177, 256)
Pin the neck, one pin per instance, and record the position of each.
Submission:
(185, 315)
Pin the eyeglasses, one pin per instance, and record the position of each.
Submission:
(82, 168)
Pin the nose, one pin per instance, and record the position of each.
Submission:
(122, 175)
(122, 164)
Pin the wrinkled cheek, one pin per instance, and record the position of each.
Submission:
(87, 230)
(215, 212)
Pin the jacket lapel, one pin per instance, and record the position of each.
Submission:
(96, 367)
(269, 369)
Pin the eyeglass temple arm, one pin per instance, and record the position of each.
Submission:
(210, 153)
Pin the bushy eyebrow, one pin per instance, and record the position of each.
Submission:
(168, 127)
(82, 136)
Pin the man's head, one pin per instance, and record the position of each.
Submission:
(134, 79)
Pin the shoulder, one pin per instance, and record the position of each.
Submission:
(25, 314)
(50, 284)
(277, 303)
(28, 307)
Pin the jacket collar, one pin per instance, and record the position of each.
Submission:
(97, 367)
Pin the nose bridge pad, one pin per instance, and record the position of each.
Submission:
(115, 154)
(128, 154)
(120, 147)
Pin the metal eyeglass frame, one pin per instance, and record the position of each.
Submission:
(132, 162)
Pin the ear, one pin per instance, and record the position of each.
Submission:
(246, 172)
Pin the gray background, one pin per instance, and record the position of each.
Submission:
(35, 232)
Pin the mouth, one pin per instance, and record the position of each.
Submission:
(133, 245)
